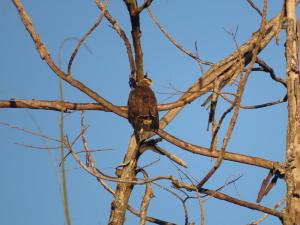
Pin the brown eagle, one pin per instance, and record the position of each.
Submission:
(142, 109)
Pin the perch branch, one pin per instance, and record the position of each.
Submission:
(44, 54)
(224, 71)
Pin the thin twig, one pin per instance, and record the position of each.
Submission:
(132, 8)
(145, 5)
(197, 54)
(237, 102)
(179, 46)
(84, 141)
(44, 54)
(263, 105)
(122, 35)
(171, 156)
(255, 7)
(101, 175)
(99, 20)
(222, 196)
(183, 201)
(270, 70)
(256, 222)
(37, 147)
(28, 131)
(146, 199)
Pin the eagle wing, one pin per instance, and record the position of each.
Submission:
(142, 109)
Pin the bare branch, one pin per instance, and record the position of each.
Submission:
(145, 5)
(263, 105)
(37, 147)
(146, 200)
(67, 106)
(44, 54)
(222, 196)
(254, 7)
(54, 105)
(270, 70)
(224, 70)
(239, 202)
(183, 201)
(266, 215)
(264, 184)
(84, 141)
(255, 161)
(29, 132)
(179, 46)
(122, 34)
(150, 219)
(86, 35)
(136, 38)
(152, 144)
(237, 101)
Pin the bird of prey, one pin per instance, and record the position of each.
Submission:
(142, 109)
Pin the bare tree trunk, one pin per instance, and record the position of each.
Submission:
(124, 189)
(292, 215)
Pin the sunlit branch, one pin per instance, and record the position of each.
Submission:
(148, 195)
(44, 54)
(237, 101)
(255, 161)
(281, 201)
(222, 196)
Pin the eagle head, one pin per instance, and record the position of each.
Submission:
(146, 81)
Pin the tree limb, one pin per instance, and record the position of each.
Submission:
(44, 54)
(255, 161)
(222, 196)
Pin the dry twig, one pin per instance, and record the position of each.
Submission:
(146, 199)
(86, 35)
(252, 4)
(172, 40)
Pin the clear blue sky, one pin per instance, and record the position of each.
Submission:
(29, 190)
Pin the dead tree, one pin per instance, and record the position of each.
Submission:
(235, 68)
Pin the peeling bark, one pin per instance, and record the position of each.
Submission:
(292, 214)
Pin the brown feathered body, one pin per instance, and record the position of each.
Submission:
(142, 109)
